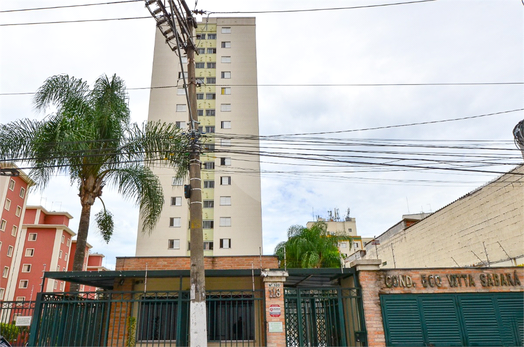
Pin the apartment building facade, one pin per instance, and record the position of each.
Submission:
(227, 109)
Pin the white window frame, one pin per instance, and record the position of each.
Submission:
(181, 91)
(225, 180)
(225, 75)
(14, 230)
(208, 245)
(176, 201)
(225, 107)
(29, 252)
(225, 142)
(10, 250)
(225, 201)
(225, 243)
(181, 107)
(7, 205)
(225, 44)
(226, 30)
(60, 254)
(12, 184)
(177, 181)
(225, 221)
(18, 211)
(226, 161)
(23, 284)
(175, 222)
(2, 293)
(225, 59)
(225, 124)
(5, 272)
(225, 90)
(210, 222)
(62, 239)
(3, 225)
(22, 192)
(26, 267)
(173, 244)
(32, 236)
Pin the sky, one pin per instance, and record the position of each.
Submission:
(357, 77)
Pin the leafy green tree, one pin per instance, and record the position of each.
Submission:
(90, 138)
(313, 247)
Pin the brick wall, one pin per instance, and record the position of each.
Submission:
(182, 263)
(427, 281)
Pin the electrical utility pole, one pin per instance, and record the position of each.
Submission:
(177, 24)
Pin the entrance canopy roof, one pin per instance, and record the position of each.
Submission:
(296, 278)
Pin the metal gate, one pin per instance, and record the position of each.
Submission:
(323, 317)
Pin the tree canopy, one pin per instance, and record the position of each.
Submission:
(313, 247)
(90, 138)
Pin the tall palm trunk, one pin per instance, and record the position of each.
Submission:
(81, 242)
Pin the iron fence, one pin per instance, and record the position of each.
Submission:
(160, 318)
(15, 318)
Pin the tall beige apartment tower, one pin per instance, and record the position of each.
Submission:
(227, 98)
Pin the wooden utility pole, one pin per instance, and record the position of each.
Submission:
(178, 31)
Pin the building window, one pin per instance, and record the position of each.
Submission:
(181, 108)
(225, 107)
(225, 201)
(18, 211)
(210, 129)
(225, 44)
(3, 224)
(211, 36)
(210, 147)
(225, 59)
(201, 51)
(356, 245)
(173, 244)
(225, 124)
(66, 256)
(226, 30)
(209, 184)
(55, 286)
(211, 65)
(211, 51)
(2, 292)
(176, 201)
(175, 181)
(0, 245)
(184, 59)
(211, 96)
(23, 284)
(60, 254)
(211, 80)
(201, 36)
(200, 113)
(342, 245)
(29, 252)
(225, 161)
(181, 91)
(225, 221)
(210, 113)
(225, 243)
(225, 74)
(14, 230)
(158, 319)
(207, 224)
(5, 273)
(32, 237)
(175, 222)
(68, 242)
(225, 180)
(11, 184)
(63, 239)
(225, 142)
(180, 75)
(10, 251)
(7, 204)
(200, 96)
(209, 204)
(208, 245)
(200, 65)
(209, 165)
(181, 125)
(225, 91)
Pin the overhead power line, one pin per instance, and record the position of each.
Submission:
(67, 6)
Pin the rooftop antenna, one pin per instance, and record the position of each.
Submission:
(348, 218)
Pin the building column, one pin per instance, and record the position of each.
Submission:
(275, 313)
(368, 272)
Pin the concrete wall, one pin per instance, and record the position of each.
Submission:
(487, 223)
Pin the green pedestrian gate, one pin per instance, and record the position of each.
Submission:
(324, 317)
(465, 319)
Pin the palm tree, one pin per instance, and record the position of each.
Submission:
(90, 138)
(313, 247)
